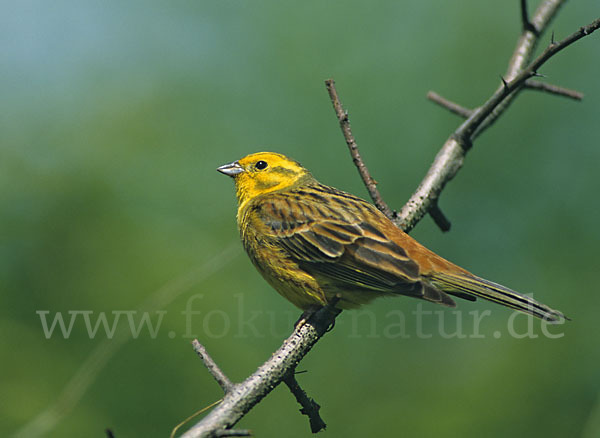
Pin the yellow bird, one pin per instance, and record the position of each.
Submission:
(312, 242)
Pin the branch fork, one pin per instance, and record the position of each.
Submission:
(239, 398)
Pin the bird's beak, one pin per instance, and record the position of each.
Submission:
(231, 169)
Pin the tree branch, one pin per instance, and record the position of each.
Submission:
(553, 89)
(212, 367)
(453, 107)
(241, 397)
(368, 180)
(310, 408)
(450, 158)
(466, 132)
(439, 218)
(523, 53)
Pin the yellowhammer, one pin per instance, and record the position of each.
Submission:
(312, 242)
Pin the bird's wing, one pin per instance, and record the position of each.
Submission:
(334, 236)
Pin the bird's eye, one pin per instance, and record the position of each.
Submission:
(260, 165)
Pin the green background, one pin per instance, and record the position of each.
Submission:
(113, 118)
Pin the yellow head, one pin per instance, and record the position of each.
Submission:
(264, 172)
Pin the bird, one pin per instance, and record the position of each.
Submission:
(312, 242)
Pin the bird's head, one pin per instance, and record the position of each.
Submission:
(264, 172)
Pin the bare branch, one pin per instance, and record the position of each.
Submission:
(553, 89)
(453, 107)
(466, 132)
(439, 218)
(310, 408)
(212, 366)
(244, 396)
(450, 158)
(523, 52)
(368, 180)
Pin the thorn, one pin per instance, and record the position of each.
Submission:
(538, 75)
(504, 82)
(552, 41)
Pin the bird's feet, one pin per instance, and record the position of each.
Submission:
(305, 317)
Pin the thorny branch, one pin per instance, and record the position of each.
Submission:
(530, 84)
(241, 397)
(450, 158)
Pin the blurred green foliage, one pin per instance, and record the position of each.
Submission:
(114, 116)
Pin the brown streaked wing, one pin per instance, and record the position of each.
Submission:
(348, 254)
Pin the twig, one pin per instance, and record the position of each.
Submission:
(368, 180)
(310, 408)
(466, 131)
(450, 158)
(439, 218)
(212, 366)
(245, 395)
(553, 89)
(370, 183)
(522, 54)
(449, 105)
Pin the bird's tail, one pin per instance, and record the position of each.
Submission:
(469, 287)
